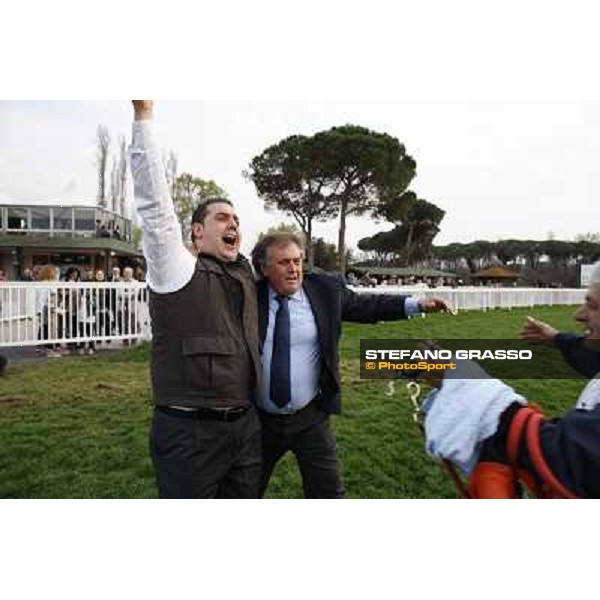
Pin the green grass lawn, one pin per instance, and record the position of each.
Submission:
(78, 427)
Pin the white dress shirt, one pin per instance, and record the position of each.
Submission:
(305, 354)
(170, 266)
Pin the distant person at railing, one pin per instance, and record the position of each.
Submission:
(114, 277)
(140, 274)
(72, 297)
(367, 281)
(27, 275)
(128, 301)
(117, 233)
(36, 271)
(103, 309)
(87, 321)
(50, 318)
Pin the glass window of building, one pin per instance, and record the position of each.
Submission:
(119, 228)
(40, 218)
(17, 218)
(63, 219)
(85, 219)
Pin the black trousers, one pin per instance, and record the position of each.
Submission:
(206, 459)
(309, 436)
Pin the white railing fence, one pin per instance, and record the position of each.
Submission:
(79, 313)
(486, 298)
(74, 313)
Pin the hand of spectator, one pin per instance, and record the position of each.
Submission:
(539, 331)
(429, 305)
(143, 109)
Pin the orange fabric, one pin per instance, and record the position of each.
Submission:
(492, 480)
(497, 480)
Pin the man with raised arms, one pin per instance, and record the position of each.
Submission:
(205, 435)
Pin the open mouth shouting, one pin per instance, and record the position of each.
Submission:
(230, 239)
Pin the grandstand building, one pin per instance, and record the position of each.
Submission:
(39, 233)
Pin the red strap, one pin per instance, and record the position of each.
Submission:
(539, 463)
(515, 433)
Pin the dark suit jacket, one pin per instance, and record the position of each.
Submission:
(332, 302)
(584, 360)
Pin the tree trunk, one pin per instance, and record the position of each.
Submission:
(408, 251)
(310, 255)
(342, 237)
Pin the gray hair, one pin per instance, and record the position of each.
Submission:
(275, 238)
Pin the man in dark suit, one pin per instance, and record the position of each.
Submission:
(300, 321)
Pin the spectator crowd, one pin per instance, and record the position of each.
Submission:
(83, 312)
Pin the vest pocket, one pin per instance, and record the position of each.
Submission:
(209, 362)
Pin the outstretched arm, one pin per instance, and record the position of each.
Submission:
(429, 305)
(584, 360)
(170, 265)
(370, 308)
(538, 331)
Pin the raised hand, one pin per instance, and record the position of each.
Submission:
(143, 109)
(537, 331)
(429, 305)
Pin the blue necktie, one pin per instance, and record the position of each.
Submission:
(281, 392)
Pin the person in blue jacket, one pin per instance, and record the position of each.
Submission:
(575, 348)
(480, 421)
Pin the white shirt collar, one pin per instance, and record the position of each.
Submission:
(299, 295)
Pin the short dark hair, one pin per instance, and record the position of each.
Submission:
(70, 272)
(281, 237)
(201, 210)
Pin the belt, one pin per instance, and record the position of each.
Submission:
(288, 415)
(206, 414)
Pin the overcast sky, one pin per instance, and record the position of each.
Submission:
(498, 168)
(499, 105)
